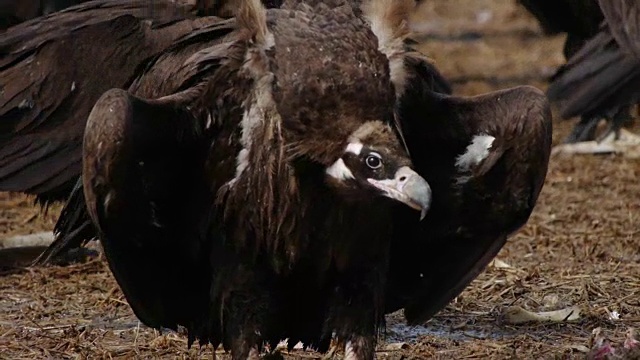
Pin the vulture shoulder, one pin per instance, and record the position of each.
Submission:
(52, 73)
(486, 159)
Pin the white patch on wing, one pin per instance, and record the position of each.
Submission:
(339, 170)
(477, 151)
(355, 148)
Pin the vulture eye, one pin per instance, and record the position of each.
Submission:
(374, 161)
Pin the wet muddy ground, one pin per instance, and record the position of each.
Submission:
(580, 248)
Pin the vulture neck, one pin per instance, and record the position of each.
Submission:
(301, 215)
(348, 233)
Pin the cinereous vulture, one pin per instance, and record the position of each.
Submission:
(291, 174)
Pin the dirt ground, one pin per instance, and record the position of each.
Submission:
(580, 248)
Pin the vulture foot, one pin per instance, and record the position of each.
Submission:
(624, 142)
(621, 119)
(585, 130)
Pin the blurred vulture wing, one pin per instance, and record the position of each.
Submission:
(599, 77)
(603, 75)
(580, 19)
(623, 19)
(486, 159)
(186, 62)
(13, 12)
(54, 68)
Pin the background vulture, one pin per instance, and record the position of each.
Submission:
(42, 122)
(601, 79)
(16, 11)
(251, 194)
(43, 115)
(579, 19)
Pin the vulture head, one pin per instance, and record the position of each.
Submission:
(375, 162)
(335, 90)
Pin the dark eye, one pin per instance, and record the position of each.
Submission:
(374, 161)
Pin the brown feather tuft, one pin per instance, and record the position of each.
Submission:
(252, 17)
(389, 21)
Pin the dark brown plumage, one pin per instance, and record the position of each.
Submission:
(13, 12)
(601, 80)
(42, 116)
(579, 19)
(252, 194)
(474, 208)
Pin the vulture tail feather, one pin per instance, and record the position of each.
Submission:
(72, 230)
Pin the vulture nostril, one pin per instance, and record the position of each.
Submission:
(403, 178)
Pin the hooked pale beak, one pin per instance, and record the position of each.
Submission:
(407, 187)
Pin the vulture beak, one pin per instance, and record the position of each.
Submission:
(407, 187)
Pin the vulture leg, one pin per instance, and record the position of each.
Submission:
(584, 130)
(621, 118)
(353, 318)
(245, 308)
(142, 168)
(615, 139)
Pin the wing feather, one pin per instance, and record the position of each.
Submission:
(52, 72)
(143, 180)
(474, 211)
(184, 64)
(598, 78)
(147, 185)
(623, 18)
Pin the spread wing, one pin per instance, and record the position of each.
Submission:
(175, 70)
(478, 199)
(54, 68)
(143, 182)
(146, 187)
